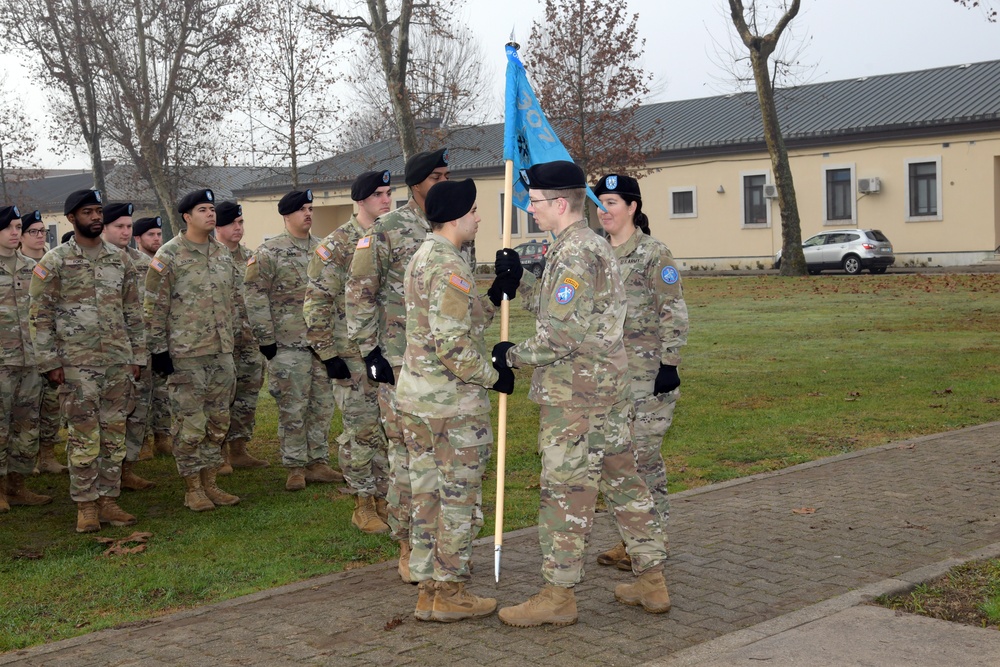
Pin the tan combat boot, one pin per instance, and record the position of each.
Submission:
(404, 561)
(552, 604)
(86, 517)
(47, 462)
(18, 493)
(382, 509)
(131, 481)
(365, 519)
(296, 479)
(109, 512)
(453, 603)
(226, 468)
(213, 492)
(163, 443)
(194, 495)
(239, 458)
(425, 599)
(4, 506)
(321, 472)
(146, 452)
(612, 556)
(649, 590)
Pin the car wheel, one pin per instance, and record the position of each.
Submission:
(879, 269)
(537, 270)
(852, 265)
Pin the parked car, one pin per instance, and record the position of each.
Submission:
(533, 256)
(852, 250)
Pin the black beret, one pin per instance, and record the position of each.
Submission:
(421, 165)
(558, 175)
(192, 199)
(81, 198)
(31, 218)
(117, 210)
(67, 236)
(367, 183)
(227, 212)
(293, 201)
(8, 214)
(450, 200)
(143, 225)
(618, 184)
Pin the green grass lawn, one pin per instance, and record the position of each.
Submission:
(778, 371)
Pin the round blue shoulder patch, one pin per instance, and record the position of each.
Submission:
(669, 275)
(565, 294)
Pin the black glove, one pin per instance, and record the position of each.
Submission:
(377, 368)
(269, 350)
(500, 354)
(336, 369)
(161, 363)
(666, 380)
(505, 384)
(509, 272)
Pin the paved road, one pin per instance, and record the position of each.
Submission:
(740, 555)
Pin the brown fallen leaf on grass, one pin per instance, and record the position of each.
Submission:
(117, 547)
(906, 446)
(393, 624)
(942, 392)
(853, 396)
(804, 510)
(27, 554)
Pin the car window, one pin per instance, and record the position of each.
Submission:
(850, 238)
(876, 235)
(814, 241)
(835, 238)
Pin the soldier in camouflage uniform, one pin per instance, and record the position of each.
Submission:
(118, 232)
(656, 326)
(581, 384)
(362, 451)
(20, 385)
(89, 339)
(376, 320)
(192, 291)
(246, 356)
(148, 234)
(276, 283)
(49, 418)
(442, 402)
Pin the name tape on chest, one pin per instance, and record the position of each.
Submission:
(461, 283)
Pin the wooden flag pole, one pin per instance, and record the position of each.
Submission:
(508, 214)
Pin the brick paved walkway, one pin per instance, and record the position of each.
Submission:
(739, 556)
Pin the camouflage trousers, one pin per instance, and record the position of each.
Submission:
(362, 445)
(297, 380)
(447, 461)
(137, 423)
(653, 416)
(201, 391)
(159, 406)
(398, 495)
(96, 401)
(49, 415)
(20, 390)
(249, 364)
(584, 450)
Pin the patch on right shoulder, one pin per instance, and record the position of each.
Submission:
(41, 272)
(157, 265)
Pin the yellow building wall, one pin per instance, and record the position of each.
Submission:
(262, 221)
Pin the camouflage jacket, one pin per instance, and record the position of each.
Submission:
(243, 331)
(275, 284)
(656, 324)
(86, 313)
(15, 332)
(141, 261)
(376, 313)
(191, 299)
(580, 308)
(446, 366)
(324, 309)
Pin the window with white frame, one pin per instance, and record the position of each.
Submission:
(515, 219)
(923, 189)
(684, 202)
(756, 207)
(839, 202)
(532, 226)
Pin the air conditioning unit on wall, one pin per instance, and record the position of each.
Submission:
(770, 191)
(869, 186)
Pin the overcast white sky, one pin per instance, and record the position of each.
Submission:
(847, 38)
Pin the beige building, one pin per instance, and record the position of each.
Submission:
(916, 155)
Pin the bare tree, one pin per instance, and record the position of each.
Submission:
(585, 63)
(62, 57)
(986, 7)
(761, 46)
(390, 31)
(17, 145)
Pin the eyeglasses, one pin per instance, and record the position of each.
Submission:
(539, 201)
(35, 232)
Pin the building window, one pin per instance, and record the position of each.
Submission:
(923, 189)
(756, 208)
(839, 203)
(684, 202)
(515, 220)
(533, 228)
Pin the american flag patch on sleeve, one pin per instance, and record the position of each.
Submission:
(364, 242)
(252, 260)
(323, 252)
(157, 265)
(40, 271)
(460, 282)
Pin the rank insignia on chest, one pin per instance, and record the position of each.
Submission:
(40, 271)
(323, 252)
(565, 293)
(157, 265)
(364, 242)
(669, 275)
(460, 282)
(252, 260)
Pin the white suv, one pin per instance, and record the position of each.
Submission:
(849, 249)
